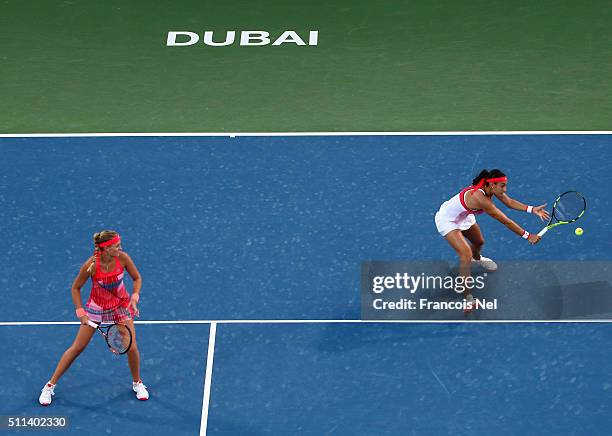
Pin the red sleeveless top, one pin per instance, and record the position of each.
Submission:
(108, 290)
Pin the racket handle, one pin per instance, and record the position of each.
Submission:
(92, 324)
(544, 230)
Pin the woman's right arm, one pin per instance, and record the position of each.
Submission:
(78, 283)
(494, 212)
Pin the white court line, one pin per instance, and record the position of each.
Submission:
(328, 321)
(270, 134)
(208, 378)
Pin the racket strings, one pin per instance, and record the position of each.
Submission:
(119, 338)
(569, 207)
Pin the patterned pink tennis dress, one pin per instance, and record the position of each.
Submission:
(109, 300)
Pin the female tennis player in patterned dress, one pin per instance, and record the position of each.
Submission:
(108, 302)
(456, 219)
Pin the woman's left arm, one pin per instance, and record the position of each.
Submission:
(136, 279)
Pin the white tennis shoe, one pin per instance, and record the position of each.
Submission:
(486, 263)
(46, 394)
(141, 390)
(470, 304)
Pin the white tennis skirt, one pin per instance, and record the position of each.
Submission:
(445, 225)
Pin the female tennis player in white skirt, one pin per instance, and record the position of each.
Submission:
(456, 219)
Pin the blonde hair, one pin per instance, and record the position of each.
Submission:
(98, 238)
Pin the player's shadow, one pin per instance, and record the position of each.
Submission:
(104, 401)
(589, 300)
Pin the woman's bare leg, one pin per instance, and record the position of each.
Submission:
(80, 343)
(464, 251)
(474, 235)
(133, 354)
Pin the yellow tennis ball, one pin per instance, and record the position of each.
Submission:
(578, 231)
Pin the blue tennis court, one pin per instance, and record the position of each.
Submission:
(274, 229)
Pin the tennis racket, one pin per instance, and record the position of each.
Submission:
(568, 207)
(117, 336)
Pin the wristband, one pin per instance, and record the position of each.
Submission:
(136, 297)
(525, 235)
(80, 312)
(529, 209)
